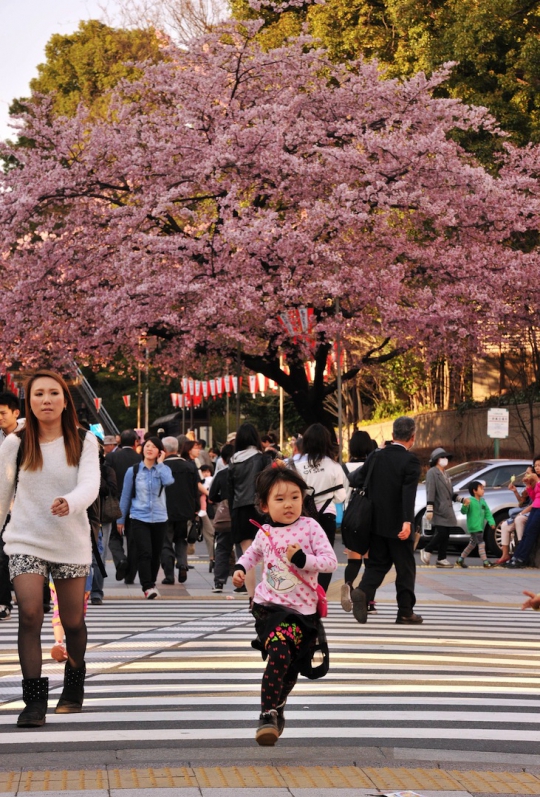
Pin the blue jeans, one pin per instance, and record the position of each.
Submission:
(530, 536)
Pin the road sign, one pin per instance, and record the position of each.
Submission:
(497, 423)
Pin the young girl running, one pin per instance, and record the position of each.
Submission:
(293, 550)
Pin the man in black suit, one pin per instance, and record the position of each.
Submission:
(392, 489)
(121, 460)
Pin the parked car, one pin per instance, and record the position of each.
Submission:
(497, 475)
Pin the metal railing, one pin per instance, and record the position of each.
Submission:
(89, 393)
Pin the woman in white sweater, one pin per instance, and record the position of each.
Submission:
(49, 475)
(326, 477)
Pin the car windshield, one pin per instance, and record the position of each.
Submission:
(465, 470)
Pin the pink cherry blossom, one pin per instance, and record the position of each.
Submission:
(229, 184)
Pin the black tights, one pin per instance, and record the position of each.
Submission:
(280, 675)
(29, 592)
(352, 569)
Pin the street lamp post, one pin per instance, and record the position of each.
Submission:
(339, 396)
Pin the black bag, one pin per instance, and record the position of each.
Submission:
(195, 531)
(358, 517)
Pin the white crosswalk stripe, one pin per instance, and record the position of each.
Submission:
(184, 670)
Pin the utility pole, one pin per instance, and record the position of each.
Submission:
(340, 397)
(281, 404)
(238, 377)
(147, 389)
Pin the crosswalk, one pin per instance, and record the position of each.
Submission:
(184, 671)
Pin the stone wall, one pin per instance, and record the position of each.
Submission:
(465, 434)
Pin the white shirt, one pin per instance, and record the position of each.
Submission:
(20, 424)
(33, 529)
(321, 477)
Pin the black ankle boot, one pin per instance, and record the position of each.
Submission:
(72, 696)
(35, 696)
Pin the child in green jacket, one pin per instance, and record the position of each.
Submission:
(478, 514)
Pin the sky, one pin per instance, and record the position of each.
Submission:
(25, 28)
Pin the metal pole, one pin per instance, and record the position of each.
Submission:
(138, 397)
(147, 390)
(238, 375)
(281, 406)
(340, 398)
(497, 447)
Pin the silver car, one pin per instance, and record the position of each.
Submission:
(497, 475)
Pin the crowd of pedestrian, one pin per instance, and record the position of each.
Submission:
(67, 498)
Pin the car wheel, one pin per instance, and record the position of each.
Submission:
(493, 536)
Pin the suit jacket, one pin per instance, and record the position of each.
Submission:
(439, 492)
(392, 488)
(121, 461)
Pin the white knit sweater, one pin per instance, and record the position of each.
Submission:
(33, 529)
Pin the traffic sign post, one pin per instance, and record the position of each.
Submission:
(498, 422)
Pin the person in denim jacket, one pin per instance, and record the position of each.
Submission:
(145, 501)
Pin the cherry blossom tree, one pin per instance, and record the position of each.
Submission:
(229, 185)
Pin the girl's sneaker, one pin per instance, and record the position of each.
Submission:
(151, 593)
(59, 652)
(502, 560)
(461, 563)
(487, 563)
(267, 732)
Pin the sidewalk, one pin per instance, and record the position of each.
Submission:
(268, 781)
(496, 586)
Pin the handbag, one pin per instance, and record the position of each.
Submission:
(358, 517)
(222, 518)
(322, 600)
(195, 530)
(110, 509)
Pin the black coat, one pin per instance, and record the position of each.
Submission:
(242, 477)
(121, 461)
(392, 488)
(183, 497)
(219, 489)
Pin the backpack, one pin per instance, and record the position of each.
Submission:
(93, 511)
(309, 507)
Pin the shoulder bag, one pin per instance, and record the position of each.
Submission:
(222, 518)
(358, 517)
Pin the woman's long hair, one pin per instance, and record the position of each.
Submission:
(32, 458)
(247, 436)
(187, 445)
(317, 444)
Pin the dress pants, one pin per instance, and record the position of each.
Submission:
(5, 581)
(439, 541)
(148, 543)
(224, 547)
(116, 547)
(175, 547)
(97, 576)
(383, 553)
